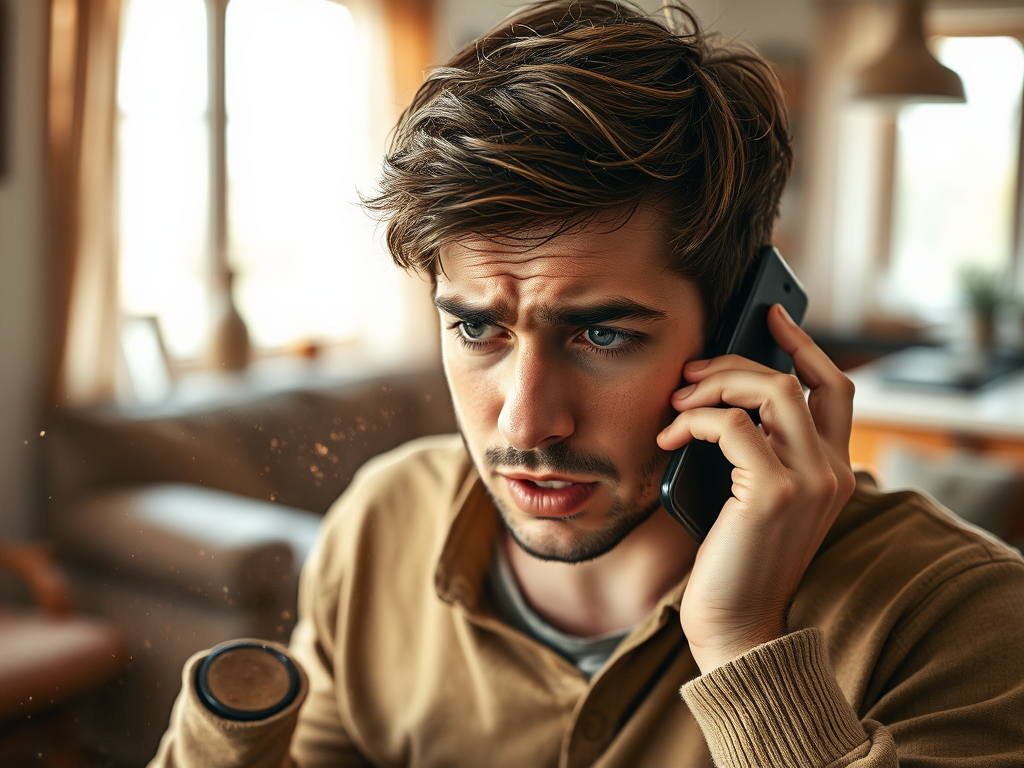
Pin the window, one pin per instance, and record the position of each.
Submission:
(164, 161)
(955, 178)
(298, 146)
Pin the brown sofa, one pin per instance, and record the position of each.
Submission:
(187, 525)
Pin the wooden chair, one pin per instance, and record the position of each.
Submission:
(49, 657)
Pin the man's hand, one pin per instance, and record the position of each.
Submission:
(791, 479)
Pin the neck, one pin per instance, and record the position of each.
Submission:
(612, 592)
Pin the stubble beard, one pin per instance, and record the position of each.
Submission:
(569, 544)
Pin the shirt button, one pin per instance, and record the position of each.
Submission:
(593, 726)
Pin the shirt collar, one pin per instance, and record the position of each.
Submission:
(467, 551)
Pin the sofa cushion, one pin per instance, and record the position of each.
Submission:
(208, 543)
(298, 447)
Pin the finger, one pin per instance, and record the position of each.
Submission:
(698, 370)
(743, 444)
(831, 393)
(777, 396)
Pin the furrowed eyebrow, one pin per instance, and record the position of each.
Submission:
(469, 314)
(622, 309)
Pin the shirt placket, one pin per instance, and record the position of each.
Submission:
(617, 691)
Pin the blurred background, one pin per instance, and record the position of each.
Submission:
(202, 337)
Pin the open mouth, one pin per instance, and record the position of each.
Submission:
(551, 483)
(549, 498)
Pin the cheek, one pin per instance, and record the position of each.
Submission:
(475, 404)
(651, 407)
(626, 416)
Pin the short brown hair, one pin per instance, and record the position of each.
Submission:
(575, 108)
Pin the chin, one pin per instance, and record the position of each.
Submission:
(562, 541)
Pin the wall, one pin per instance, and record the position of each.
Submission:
(22, 258)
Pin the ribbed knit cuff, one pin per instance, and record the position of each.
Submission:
(197, 738)
(777, 704)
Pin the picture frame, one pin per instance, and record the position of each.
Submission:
(149, 370)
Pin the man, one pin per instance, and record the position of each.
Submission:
(586, 188)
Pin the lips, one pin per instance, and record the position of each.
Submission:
(549, 497)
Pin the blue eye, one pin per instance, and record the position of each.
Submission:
(605, 338)
(475, 331)
(475, 334)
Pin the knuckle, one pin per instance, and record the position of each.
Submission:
(737, 418)
(789, 386)
(846, 481)
(829, 484)
(787, 489)
(827, 488)
(845, 386)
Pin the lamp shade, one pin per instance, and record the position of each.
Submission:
(907, 71)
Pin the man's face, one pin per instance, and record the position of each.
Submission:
(561, 360)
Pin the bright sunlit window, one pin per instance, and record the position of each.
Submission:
(956, 176)
(296, 151)
(297, 100)
(164, 141)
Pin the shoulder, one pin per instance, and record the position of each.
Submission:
(400, 500)
(900, 578)
(921, 615)
(423, 474)
(904, 532)
(889, 556)
(433, 464)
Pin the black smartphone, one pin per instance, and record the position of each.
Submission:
(698, 480)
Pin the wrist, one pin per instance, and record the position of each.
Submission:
(730, 646)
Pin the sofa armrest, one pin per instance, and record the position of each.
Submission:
(34, 564)
(212, 544)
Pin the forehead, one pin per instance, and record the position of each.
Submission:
(598, 262)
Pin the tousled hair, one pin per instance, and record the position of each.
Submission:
(575, 109)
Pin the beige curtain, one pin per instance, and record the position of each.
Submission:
(82, 122)
(410, 25)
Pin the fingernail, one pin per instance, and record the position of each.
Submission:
(696, 365)
(685, 392)
(786, 315)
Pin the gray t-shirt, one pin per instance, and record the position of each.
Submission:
(588, 653)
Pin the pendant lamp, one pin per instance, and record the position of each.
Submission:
(907, 72)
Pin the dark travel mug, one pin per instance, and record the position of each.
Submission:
(247, 680)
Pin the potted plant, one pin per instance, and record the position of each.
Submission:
(985, 290)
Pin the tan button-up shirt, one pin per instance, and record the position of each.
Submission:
(908, 642)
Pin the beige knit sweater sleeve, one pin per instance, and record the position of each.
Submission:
(780, 705)
(947, 690)
(197, 738)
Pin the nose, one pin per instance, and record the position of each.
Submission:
(536, 411)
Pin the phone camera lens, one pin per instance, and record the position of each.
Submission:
(786, 287)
